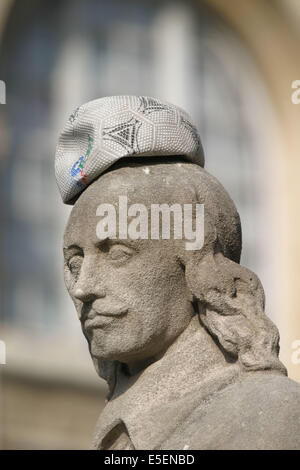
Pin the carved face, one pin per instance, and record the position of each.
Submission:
(130, 295)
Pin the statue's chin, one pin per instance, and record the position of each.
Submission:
(102, 353)
(126, 348)
(107, 352)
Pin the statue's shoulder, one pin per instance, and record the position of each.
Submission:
(265, 391)
(261, 411)
(271, 400)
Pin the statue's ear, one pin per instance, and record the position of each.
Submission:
(232, 308)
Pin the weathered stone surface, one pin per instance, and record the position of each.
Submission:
(181, 338)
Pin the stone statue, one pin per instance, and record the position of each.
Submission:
(180, 335)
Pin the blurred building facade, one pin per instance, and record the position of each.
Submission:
(230, 64)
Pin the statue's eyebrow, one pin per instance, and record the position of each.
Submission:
(108, 241)
(72, 250)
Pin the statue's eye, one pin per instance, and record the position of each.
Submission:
(120, 252)
(74, 265)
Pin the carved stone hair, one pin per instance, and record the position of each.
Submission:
(230, 297)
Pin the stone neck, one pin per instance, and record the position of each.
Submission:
(194, 354)
(153, 402)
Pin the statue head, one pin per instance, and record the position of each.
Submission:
(135, 296)
(130, 294)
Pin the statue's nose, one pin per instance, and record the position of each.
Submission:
(83, 295)
(88, 287)
(88, 291)
(88, 295)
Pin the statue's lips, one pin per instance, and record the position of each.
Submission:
(100, 319)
